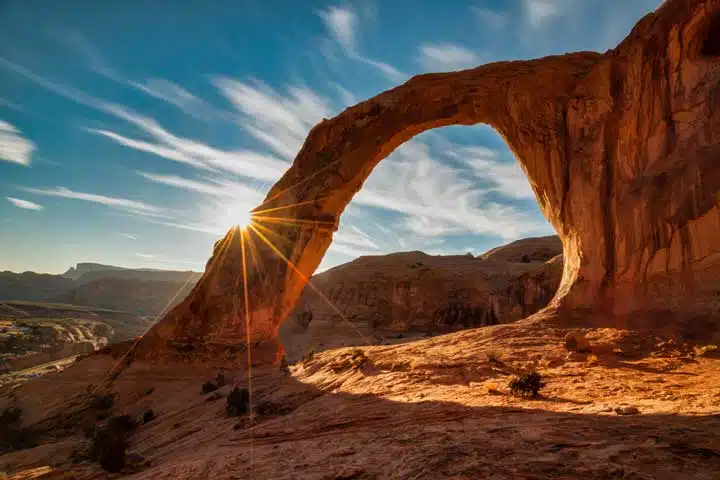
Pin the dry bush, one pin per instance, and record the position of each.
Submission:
(527, 384)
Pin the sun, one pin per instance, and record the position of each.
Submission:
(243, 219)
(234, 215)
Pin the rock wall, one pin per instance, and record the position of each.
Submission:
(621, 150)
(378, 299)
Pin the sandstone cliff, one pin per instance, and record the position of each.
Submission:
(376, 299)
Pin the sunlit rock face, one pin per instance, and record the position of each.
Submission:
(387, 298)
(621, 150)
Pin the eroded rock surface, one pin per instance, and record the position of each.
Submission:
(621, 150)
(387, 298)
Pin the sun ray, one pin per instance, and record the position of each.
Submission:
(310, 284)
(284, 207)
(248, 349)
(305, 179)
(161, 313)
(269, 231)
(294, 221)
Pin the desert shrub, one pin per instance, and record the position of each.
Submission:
(494, 356)
(101, 401)
(526, 385)
(149, 391)
(11, 416)
(12, 435)
(220, 380)
(148, 416)
(525, 259)
(123, 423)
(358, 359)
(238, 402)
(108, 448)
(309, 355)
(208, 387)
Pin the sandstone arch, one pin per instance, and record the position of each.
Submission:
(621, 149)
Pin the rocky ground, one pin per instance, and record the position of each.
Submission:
(636, 405)
(34, 333)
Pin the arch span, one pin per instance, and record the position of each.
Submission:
(621, 150)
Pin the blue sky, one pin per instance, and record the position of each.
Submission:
(132, 132)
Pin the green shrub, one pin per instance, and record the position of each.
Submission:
(527, 385)
(238, 402)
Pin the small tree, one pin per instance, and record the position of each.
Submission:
(238, 402)
(527, 385)
(108, 448)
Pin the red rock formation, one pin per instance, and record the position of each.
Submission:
(380, 298)
(620, 148)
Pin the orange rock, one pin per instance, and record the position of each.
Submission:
(620, 148)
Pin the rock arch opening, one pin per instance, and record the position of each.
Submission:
(445, 235)
(620, 149)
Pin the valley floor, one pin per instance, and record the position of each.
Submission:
(430, 409)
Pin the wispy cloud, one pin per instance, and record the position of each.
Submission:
(438, 199)
(127, 235)
(246, 163)
(280, 121)
(174, 94)
(508, 177)
(26, 204)
(342, 24)
(13, 146)
(11, 105)
(64, 91)
(539, 12)
(446, 57)
(490, 19)
(146, 255)
(131, 206)
(225, 189)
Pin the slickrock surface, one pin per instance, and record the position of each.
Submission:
(431, 409)
(401, 296)
(620, 148)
